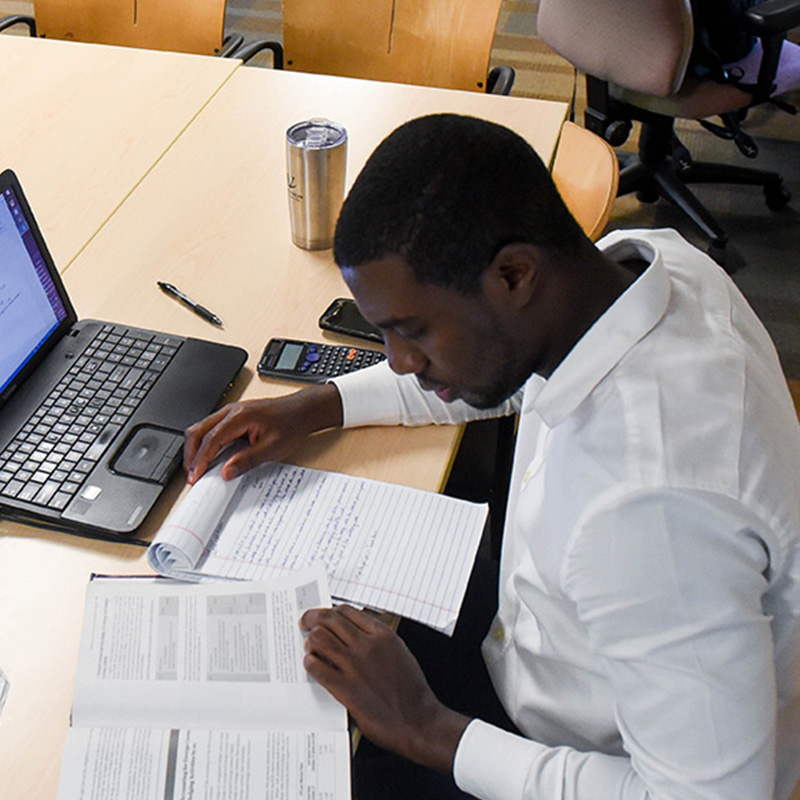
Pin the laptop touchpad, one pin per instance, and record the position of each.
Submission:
(150, 454)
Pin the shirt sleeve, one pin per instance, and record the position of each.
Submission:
(493, 764)
(669, 586)
(378, 396)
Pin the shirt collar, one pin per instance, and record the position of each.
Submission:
(631, 317)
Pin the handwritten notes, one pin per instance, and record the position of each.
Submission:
(383, 546)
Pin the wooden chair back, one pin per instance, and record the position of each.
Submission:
(189, 26)
(586, 173)
(445, 43)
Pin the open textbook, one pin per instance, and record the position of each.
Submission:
(189, 691)
(384, 546)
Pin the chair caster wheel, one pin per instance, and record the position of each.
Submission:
(617, 132)
(776, 195)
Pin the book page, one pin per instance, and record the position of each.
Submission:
(158, 653)
(384, 546)
(160, 764)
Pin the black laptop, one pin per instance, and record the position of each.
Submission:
(92, 413)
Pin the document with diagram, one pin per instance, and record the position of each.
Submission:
(199, 691)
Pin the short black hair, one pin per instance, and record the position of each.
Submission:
(446, 193)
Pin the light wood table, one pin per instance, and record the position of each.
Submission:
(211, 216)
(82, 124)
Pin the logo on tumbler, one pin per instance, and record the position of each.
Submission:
(294, 192)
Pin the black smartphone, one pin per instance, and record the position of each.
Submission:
(343, 316)
(313, 361)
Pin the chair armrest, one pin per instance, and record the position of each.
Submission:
(500, 80)
(19, 19)
(770, 21)
(772, 16)
(249, 50)
(230, 44)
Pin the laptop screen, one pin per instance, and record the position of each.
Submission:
(30, 306)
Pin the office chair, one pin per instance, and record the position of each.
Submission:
(188, 26)
(636, 56)
(444, 43)
(586, 174)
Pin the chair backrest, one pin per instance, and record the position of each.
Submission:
(445, 43)
(643, 45)
(189, 26)
(586, 174)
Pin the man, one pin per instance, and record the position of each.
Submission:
(647, 639)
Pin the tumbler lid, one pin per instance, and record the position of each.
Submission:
(316, 134)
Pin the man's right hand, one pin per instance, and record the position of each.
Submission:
(272, 428)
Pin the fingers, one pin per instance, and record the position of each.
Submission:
(244, 460)
(338, 642)
(334, 631)
(345, 621)
(324, 646)
(368, 668)
(193, 437)
(273, 427)
(204, 441)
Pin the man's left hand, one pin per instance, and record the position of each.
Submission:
(365, 665)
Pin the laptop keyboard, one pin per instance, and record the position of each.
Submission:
(48, 461)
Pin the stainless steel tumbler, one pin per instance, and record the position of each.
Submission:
(316, 162)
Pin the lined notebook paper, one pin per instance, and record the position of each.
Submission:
(383, 546)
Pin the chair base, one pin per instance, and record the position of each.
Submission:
(663, 168)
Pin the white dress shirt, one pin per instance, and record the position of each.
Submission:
(647, 641)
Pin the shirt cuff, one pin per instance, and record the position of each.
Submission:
(491, 763)
(369, 396)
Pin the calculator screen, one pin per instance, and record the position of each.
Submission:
(289, 357)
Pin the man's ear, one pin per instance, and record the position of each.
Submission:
(515, 272)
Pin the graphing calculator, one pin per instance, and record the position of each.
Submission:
(312, 361)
